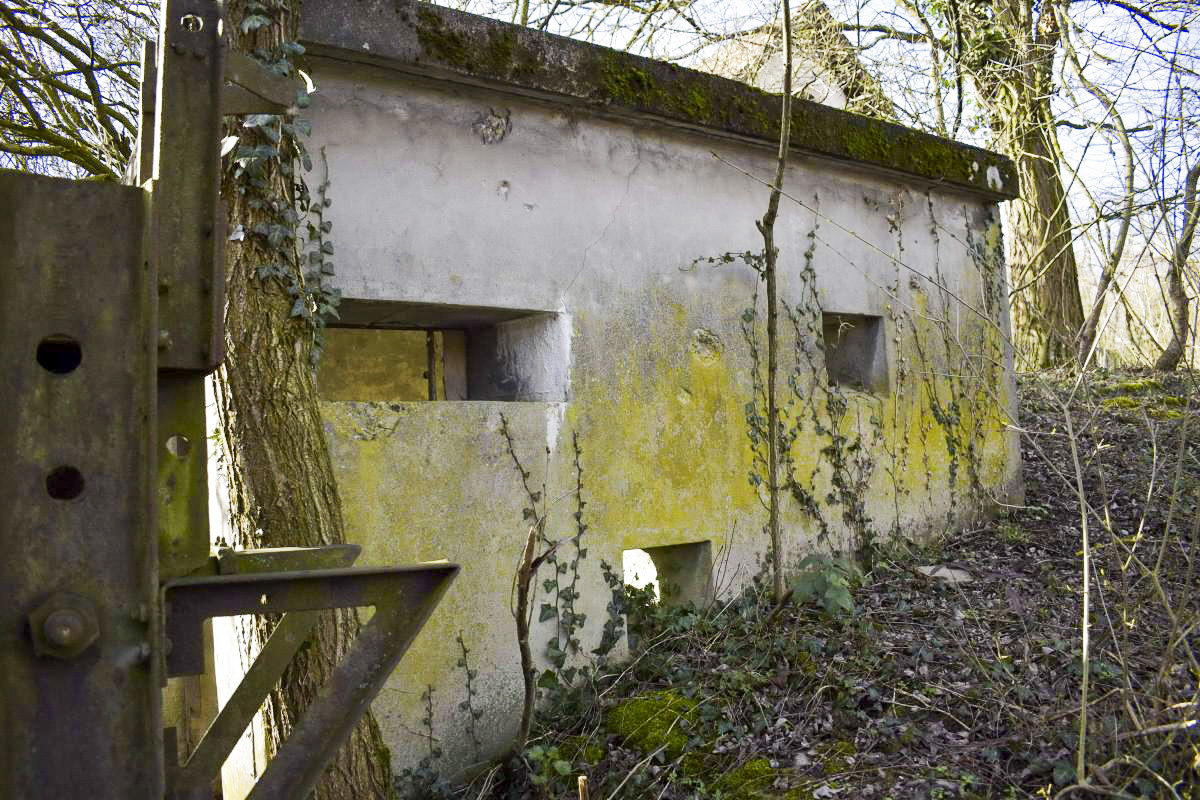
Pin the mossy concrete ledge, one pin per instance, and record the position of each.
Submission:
(426, 40)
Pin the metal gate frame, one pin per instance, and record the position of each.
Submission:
(110, 319)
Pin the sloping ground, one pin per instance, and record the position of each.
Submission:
(966, 683)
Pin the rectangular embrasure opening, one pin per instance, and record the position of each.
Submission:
(855, 355)
(397, 352)
(678, 574)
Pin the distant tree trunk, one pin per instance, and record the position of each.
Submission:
(1011, 59)
(1108, 274)
(1116, 251)
(281, 482)
(1091, 325)
(1177, 297)
(1047, 308)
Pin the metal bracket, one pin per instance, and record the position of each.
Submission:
(204, 763)
(403, 599)
(250, 88)
(283, 559)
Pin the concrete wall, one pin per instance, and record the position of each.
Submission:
(588, 230)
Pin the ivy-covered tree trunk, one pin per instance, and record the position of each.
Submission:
(282, 489)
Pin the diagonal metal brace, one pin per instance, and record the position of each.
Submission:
(290, 633)
(251, 88)
(403, 599)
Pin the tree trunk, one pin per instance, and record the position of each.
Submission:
(281, 483)
(1176, 293)
(1012, 59)
(1177, 301)
(1108, 274)
(1047, 307)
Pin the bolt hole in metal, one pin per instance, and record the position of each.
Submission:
(191, 23)
(178, 445)
(59, 354)
(64, 483)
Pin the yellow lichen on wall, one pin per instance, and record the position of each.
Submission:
(957, 407)
(915, 457)
(670, 447)
(433, 480)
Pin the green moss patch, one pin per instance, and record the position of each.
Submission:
(1124, 401)
(838, 758)
(1159, 407)
(747, 781)
(653, 720)
(496, 54)
(752, 779)
(1135, 386)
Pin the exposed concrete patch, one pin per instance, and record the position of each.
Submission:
(706, 345)
(493, 126)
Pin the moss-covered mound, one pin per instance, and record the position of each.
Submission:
(650, 721)
(662, 720)
(1143, 393)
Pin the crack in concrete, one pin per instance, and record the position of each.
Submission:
(612, 218)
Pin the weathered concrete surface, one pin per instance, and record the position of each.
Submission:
(430, 481)
(563, 238)
(422, 39)
(599, 222)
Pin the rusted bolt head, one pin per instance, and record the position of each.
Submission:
(64, 626)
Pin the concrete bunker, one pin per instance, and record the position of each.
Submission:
(568, 310)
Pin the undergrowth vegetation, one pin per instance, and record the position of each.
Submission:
(951, 668)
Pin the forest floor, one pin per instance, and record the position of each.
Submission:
(966, 683)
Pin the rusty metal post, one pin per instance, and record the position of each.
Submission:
(187, 182)
(79, 669)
